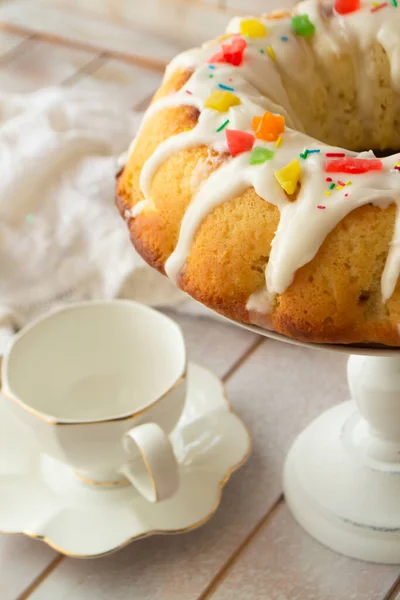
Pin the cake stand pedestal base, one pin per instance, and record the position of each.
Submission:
(342, 474)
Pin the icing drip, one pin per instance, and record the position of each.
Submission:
(262, 301)
(259, 84)
(392, 266)
(302, 227)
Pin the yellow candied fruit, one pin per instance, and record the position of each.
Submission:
(221, 101)
(253, 28)
(289, 176)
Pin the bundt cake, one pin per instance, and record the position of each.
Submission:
(264, 181)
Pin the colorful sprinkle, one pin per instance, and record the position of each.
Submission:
(260, 155)
(189, 92)
(221, 101)
(345, 195)
(211, 76)
(379, 6)
(353, 165)
(231, 53)
(271, 53)
(268, 127)
(221, 127)
(278, 141)
(302, 25)
(349, 183)
(396, 167)
(335, 154)
(394, 3)
(340, 183)
(332, 185)
(262, 51)
(327, 193)
(289, 176)
(343, 7)
(211, 66)
(304, 154)
(284, 38)
(316, 151)
(329, 179)
(222, 86)
(253, 28)
(29, 219)
(321, 207)
(239, 141)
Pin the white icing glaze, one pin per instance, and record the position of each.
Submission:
(304, 223)
(261, 301)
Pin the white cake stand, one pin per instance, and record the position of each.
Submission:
(342, 474)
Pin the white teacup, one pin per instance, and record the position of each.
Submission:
(102, 384)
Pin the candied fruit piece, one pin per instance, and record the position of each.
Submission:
(289, 176)
(221, 101)
(253, 28)
(239, 141)
(268, 127)
(353, 165)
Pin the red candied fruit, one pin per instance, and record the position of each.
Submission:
(344, 7)
(231, 53)
(353, 165)
(239, 141)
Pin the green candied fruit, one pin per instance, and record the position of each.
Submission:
(260, 155)
(302, 25)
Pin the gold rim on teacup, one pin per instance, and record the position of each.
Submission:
(6, 391)
(117, 366)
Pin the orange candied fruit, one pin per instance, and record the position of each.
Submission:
(268, 127)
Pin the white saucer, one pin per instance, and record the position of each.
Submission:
(42, 498)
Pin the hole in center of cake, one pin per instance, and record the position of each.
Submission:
(384, 153)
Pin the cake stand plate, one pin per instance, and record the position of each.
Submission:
(342, 474)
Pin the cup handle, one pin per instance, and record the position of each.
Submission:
(156, 474)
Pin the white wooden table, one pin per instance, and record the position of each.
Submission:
(252, 548)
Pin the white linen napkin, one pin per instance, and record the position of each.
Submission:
(61, 236)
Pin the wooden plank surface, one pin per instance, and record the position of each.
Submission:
(212, 343)
(40, 63)
(275, 407)
(21, 560)
(251, 548)
(134, 83)
(43, 18)
(284, 562)
(185, 22)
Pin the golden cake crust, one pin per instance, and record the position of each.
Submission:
(335, 298)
